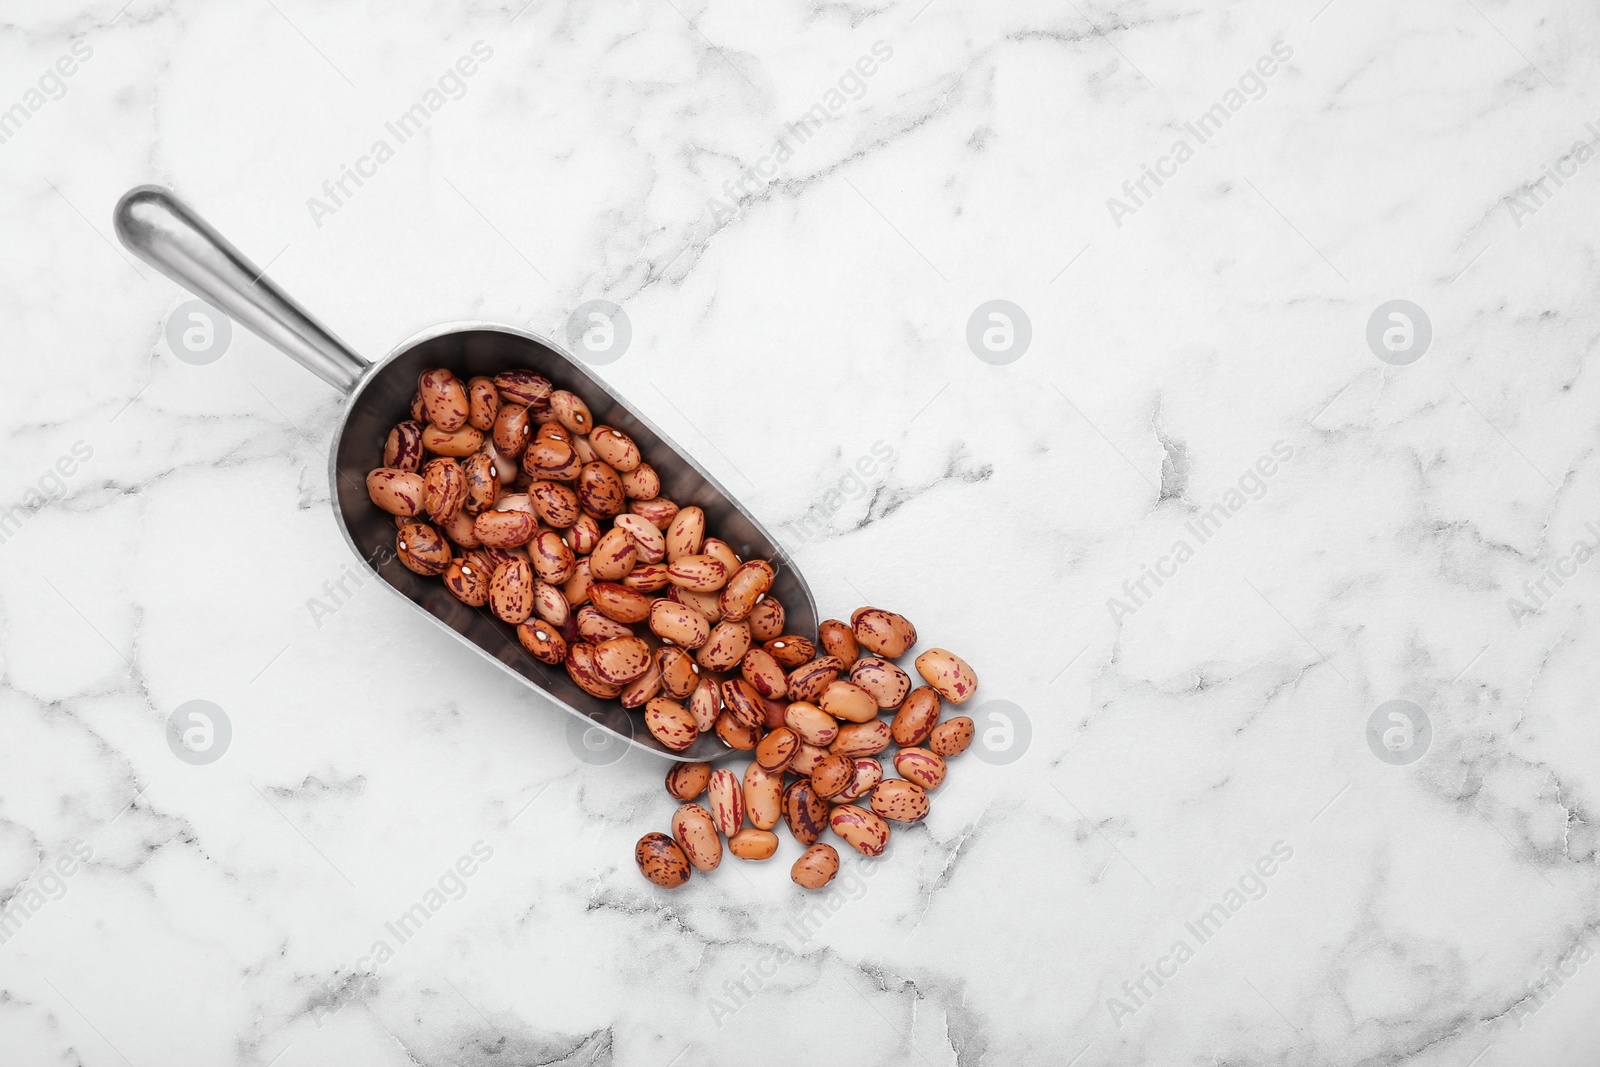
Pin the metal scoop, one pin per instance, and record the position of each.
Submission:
(165, 232)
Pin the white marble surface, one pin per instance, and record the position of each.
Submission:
(226, 913)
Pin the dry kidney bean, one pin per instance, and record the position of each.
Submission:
(916, 718)
(832, 774)
(861, 738)
(622, 659)
(766, 622)
(660, 512)
(600, 490)
(747, 586)
(838, 641)
(496, 556)
(615, 447)
(807, 681)
(580, 668)
(900, 801)
(790, 650)
(775, 712)
(585, 451)
(743, 702)
(649, 543)
(727, 801)
(483, 483)
(644, 689)
(951, 737)
(551, 458)
(948, 673)
(679, 674)
(555, 503)
(764, 673)
(736, 734)
(571, 412)
(848, 701)
(883, 632)
(458, 444)
(696, 834)
(618, 601)
(698, 574)
(686, 534)
(483, 404)
(725, 647)
(920, 766)
(613, 556)
(750, 844)
(515, 502)
(641, 483)
(511, 591)
(469, 583)
(687, 781)
(868, 773)
(862, 830)
(422, 548)
(804, 811)
(816, 867)
(522, 387)
(444, 488)
(505, 468)
(396, 491)
(722, 553)
(444, 399)
(549, 604)
(661, 860)
(583, 536)
(552, 560)
(887, 683)
(543, 641)
(647, 578)
(458, 528)
(705, 703)
(806, 760)
(813, 725)
(504, 529)
(678, 623)
(763, 796)
(777, 750)
(707, 604)
(511, 431)
(403, 450)
(553, 431)
(576, 588)
(670, 723)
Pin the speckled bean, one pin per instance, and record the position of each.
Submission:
(883, 632)
(816, 867)
(398, 492)
(661, 860)
(670, 723)
(949, 674)
(696, 834)
(861, 829)
(686, 781)
(951, 737)
(920, 766)
(726, 797)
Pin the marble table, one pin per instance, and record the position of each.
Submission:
(1216, 379)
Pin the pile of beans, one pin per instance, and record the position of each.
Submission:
(817, 736)
(504, 488)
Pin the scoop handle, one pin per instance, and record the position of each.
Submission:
(169, 235)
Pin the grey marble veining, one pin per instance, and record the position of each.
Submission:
(1196, 537)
